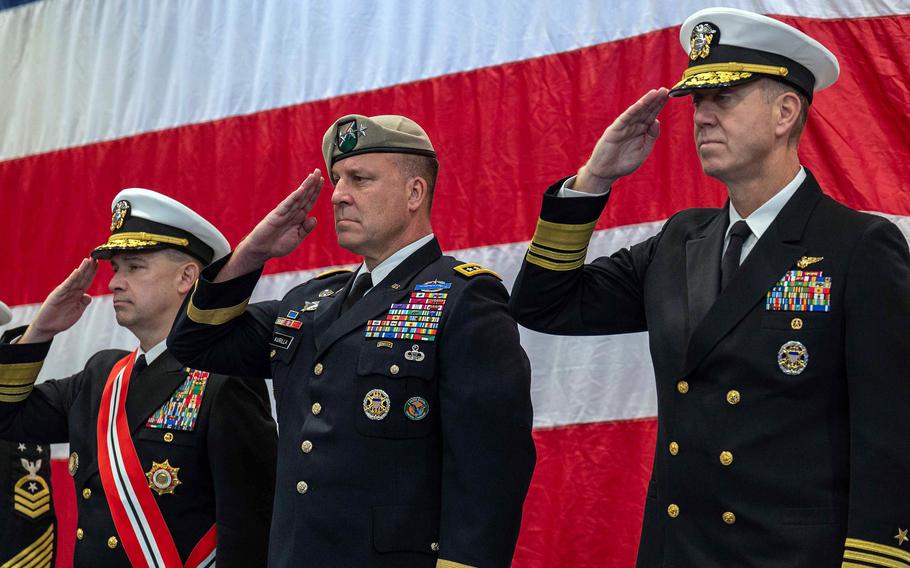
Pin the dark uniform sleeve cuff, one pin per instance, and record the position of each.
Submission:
(218, 303)
(19, 365)
(564, 229)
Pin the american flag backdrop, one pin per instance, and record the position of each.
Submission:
(222, 105)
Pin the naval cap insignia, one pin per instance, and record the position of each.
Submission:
(119, 214)
(416, 408)
(376, 404)
(700, 42)
(792, 358)
(347, 134)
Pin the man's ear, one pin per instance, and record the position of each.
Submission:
(187, 276)
(789, 106)
(418, 193)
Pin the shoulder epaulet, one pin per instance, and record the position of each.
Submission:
(328, 273)
(471, 269)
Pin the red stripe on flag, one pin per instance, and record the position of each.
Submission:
(586, 501)
(504, 133)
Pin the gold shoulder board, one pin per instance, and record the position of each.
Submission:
(328, 273)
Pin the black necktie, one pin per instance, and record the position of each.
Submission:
(739, 232)
(139, 365)
(363, 283)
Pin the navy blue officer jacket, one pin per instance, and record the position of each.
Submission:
(783, 434)
(26, 510)
(226, 461)
(393, 451)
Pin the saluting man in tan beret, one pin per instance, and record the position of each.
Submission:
(778, 323)
(402, 390)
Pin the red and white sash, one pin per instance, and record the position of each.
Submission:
(140, 525)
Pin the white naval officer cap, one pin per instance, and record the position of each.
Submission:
(6, 315)
(727, 46)
(143, 219)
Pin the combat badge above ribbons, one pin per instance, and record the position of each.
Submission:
(701, 39)
(376, 404)
(32, 494)
(163, 478)
(792, 358)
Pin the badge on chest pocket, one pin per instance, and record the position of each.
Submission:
(397, 389)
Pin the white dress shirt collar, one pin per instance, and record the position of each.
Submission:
(385, 267)
(154, 352)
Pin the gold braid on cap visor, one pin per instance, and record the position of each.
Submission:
(716, 73)
(136, 240)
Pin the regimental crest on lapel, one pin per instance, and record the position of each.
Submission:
(182, 409)
(32, 494)
(701, 40)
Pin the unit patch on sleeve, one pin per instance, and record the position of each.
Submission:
(417, 320)
(182, 409)
(800, 291)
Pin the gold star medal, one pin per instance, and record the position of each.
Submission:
(163, 478)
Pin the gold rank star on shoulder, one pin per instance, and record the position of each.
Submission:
(901, 536)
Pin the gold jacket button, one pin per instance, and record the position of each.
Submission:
(112, 542)
(726, 458)
(673, 510)
(394, 369)
(86, 493)
(682, 387)
(306, 447)
(302, 487)
(729, 518)
(317, 370)
(169, 437)
(316, 408)
(434, 546)
(796, 323)
(733, 397)
(674, 448)
(80, 534)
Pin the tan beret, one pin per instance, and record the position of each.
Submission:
(355, 134)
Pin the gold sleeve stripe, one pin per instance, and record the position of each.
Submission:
(563, 236)
(564, 256)
(879, 548)
(18, 389)
(19, 373)
(440, 563)
(556, 266)
(36, 555)
(875, 560)
(217, 316)
(14, 398)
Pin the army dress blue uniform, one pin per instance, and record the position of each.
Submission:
(220, 462)
(394, 451)
(27, 534)
(782, 437)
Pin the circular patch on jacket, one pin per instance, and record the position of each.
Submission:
(73, 464)
(792, 358)
(376, 404)
(416, 408)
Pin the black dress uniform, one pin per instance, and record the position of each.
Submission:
(782, 400)
(226, 462)
(27, 515)
(394, 451)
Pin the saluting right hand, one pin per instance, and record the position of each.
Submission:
(624, 145)
(279, 232)
(64, 306)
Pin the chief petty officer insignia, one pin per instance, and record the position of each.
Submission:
(32, 494)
